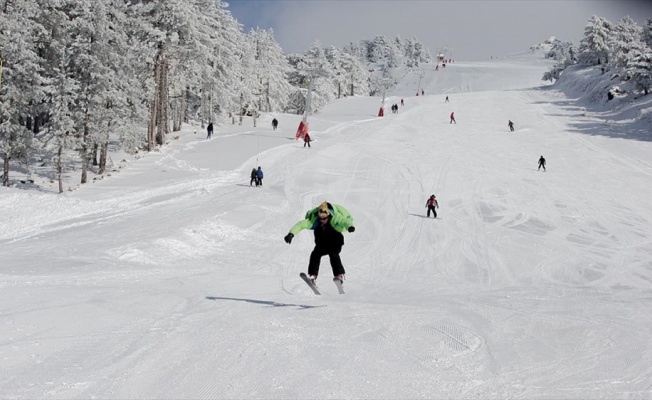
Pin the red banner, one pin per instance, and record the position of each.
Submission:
(303, 129)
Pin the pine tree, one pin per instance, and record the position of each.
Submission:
(271, 68)
(625, 40)
(20, 81)
(594, 47)
(640, 69)
(647, 33)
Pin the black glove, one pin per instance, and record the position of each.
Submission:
(351, 229)
(288, 238)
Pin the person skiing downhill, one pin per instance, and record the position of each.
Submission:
(431, 204)
(328, 221)
(542, 163)
(511, 125)
(209, 130)
(306, 140)
(453, 118)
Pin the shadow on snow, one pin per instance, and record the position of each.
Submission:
(263, 302)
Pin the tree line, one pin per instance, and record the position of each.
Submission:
(624, 46)
(78, 77)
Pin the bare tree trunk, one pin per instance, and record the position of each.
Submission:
(103, 151)
(60, 168)
(178, 115)
(202, 116)
(153, 106)
(186, 100)
(5, 171)
(94, 155)
(151, 126)
(269, 103)
(241, 111)
(163, 120)
(84, 156)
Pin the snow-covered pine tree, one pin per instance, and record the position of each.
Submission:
(169, 31)
(323, 83)
(246, 86)
(340, 75)
(63, 84)
(564, 52)
(383, 51)
(594, 46)
(625, 40)
(640, 69)
(358, 76)
(96, 59)
(271, 68)
(20, 81)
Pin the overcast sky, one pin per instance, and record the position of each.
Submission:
(473, 29)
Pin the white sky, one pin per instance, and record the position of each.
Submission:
(169, 278)
(475, 30)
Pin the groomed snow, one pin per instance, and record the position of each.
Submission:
(170, 278)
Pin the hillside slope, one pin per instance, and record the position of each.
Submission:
(171, 279)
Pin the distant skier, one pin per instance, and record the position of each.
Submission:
(431, 205)
(542, 164)
(453, 118)
(253, 177)
(511, 125)
(447, 101)
(402, 103)
(274, 124)
(209, 128)
(328, 221)
(306, 140)
(259, 177)
(423, 93)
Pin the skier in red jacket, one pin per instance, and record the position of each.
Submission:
(431, 204)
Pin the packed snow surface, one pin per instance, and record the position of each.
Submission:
(170, 278)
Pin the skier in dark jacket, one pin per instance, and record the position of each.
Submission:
(306, 140)
(328, 221)
(511, 125)
(542, 163)
(210, 130)
(253, 177)
(431, 204)
(259, 177)
(274, 123)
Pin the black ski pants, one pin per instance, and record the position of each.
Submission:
(432, 208)
(333, 252)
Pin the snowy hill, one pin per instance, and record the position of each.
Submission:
(170, 279)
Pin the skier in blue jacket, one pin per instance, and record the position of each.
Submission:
(259, 177)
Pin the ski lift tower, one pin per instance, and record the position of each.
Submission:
(303, 125)
(383, 82)
(421, 75)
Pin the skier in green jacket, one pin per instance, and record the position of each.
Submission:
(328, 221)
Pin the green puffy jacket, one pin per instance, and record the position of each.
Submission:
(341, 219)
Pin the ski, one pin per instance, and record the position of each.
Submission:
(338, 283)
(309, 283)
